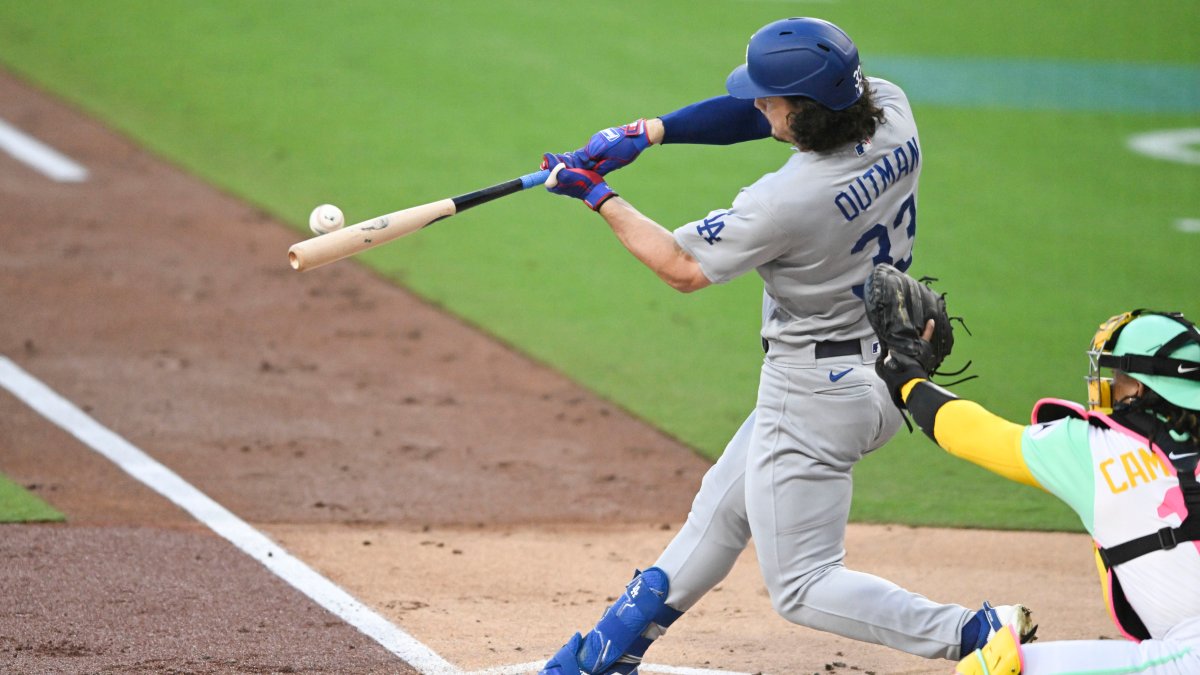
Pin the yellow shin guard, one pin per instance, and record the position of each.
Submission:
(1000, 656)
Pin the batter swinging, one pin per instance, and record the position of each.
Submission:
(844, 200)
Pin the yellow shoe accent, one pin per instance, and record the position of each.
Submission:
(1000, 656)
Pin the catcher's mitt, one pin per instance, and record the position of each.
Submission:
(898, 307)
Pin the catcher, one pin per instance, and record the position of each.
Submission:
(1126, 463)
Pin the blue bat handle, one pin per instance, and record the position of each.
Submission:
(508, 187)
(534, 179)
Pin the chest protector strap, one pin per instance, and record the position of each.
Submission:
(1168, 537)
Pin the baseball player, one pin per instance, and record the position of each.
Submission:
(844, 199)
(1126, 464)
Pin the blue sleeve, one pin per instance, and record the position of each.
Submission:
(722, 120)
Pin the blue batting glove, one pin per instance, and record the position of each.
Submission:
(607, 150)
(615, 147)
(580, 184)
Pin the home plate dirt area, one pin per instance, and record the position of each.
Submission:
(482, 505)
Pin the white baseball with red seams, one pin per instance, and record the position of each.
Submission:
(326, 218)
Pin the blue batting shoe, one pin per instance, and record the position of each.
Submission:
(564, 661)
(990, 620)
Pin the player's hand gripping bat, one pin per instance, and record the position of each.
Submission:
(326, 248)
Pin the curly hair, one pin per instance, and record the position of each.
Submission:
(819, 129)
(1189, 423)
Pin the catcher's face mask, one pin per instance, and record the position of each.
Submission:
(1151, 357)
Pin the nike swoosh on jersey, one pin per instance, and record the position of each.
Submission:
(1181, 455)
(1185, 371)
(834, 377)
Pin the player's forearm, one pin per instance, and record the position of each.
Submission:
(969, 431)
(654, 245)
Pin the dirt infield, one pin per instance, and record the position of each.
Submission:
(477, 499)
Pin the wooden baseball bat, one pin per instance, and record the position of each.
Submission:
(332, 246)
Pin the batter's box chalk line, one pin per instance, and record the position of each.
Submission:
(45, 159)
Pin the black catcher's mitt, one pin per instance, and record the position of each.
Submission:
(898, 307)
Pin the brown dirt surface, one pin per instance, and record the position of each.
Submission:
(478, 499)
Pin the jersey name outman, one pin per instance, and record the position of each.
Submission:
(815, 228)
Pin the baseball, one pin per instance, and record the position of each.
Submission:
(326, 218)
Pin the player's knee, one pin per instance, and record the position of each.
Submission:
(787, 589)
(786, 604)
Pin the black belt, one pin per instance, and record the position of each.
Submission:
(827, 350)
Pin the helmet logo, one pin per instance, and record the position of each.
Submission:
(858, 81)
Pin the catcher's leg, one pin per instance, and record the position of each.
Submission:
(1170, 656)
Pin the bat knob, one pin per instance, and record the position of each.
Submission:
(552, 181)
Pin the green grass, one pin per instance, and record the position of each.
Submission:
(17, 505)
(1039, 223)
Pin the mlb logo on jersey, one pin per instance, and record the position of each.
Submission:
(863, 147)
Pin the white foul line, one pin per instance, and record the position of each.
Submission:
(40, 156)
(252, 542)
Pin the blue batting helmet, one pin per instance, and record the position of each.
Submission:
(800, 57)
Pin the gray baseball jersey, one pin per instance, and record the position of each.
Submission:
(813, 230)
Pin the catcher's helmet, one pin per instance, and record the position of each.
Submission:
(1159, 349)
(800, 57)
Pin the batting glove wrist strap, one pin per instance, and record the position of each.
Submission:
(598, 195)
